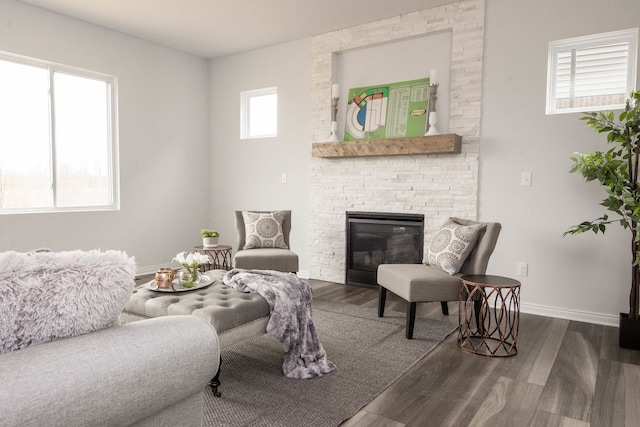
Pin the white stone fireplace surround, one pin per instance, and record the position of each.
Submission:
(439, 185)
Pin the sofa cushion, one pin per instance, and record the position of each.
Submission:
(419, 282)
(263, 230)
(267, 259)
(45, 296)
(451, 245)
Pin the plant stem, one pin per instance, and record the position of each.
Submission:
(635, 275)
(634, 295)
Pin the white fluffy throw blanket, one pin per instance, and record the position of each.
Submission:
(46, 296)
(290, 320)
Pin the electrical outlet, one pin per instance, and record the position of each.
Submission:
(525, 179)
(523, 269)
(284, 178)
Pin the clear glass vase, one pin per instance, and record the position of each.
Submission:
(189, 277)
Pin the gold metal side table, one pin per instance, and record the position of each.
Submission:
(489, 315)
(220, 257)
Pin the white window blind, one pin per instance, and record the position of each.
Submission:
(591, 73)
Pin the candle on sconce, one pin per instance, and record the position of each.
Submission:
(335, 90)
(433, 77)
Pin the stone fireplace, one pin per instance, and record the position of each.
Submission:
(434, 185)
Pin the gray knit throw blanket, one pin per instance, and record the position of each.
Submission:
(290, 320)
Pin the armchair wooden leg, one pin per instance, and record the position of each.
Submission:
(411, 319)
(382, 299)
(445, 308)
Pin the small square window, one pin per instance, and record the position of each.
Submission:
(259, 113)
(591, 73)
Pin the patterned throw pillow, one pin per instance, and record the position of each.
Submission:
(263, 230)
(451, 245)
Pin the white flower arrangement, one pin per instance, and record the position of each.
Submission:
(191, 259)
(191, 262)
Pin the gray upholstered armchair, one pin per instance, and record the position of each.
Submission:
(427, 283)
(263, 241)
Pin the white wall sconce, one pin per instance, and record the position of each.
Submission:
(433, 97)
(335, 92)
(433, 120)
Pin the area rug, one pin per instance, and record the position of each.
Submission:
(370, 353)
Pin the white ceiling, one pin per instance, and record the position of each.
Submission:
(214, 28)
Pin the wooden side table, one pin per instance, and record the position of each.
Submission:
(220, 257)
(489, 315)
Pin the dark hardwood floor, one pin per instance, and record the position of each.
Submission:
(566, 373)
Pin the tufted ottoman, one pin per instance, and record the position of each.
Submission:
(235, 315)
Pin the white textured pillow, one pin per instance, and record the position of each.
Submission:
(263, 230)
(45, 296)
(451, 245)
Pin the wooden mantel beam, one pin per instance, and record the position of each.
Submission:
(448, 143)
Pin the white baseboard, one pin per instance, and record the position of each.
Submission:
(565, 313)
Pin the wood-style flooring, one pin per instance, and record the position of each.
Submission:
(566, 373)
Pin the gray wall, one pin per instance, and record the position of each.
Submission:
(246, 174)
(163, 111)
(588, 274)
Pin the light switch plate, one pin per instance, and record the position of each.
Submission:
(523, 269)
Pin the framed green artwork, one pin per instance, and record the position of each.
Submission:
(393, 110)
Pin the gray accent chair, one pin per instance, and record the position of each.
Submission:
(277, 259)
(423, 283)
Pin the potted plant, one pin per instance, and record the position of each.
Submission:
(617, 170)
(209, 238)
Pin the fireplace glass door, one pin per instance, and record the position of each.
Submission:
(375, 238)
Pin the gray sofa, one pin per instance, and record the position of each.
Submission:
(148, 373)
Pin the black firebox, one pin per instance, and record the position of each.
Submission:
(375, 238)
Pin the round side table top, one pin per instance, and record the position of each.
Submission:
(489, 280)
(213, 248)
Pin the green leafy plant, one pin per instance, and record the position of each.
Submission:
(617, 170)
(209, 233)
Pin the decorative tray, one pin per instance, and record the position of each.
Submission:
(203, 281)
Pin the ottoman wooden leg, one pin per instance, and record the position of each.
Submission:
(215, 381)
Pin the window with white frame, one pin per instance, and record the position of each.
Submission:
(591, 73)
(259, 113)
(58, 149)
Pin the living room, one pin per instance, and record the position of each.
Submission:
(183, 165)
(179, 144)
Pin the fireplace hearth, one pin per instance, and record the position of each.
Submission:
(374, 238)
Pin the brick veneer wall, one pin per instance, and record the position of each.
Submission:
(437, 186)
